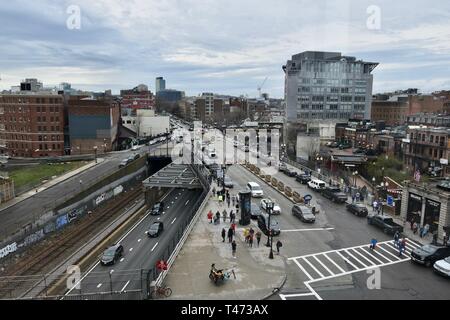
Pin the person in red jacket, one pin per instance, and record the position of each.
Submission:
(210, 216)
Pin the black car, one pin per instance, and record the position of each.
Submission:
(155, 229)
(303, 178)
(111, 255)
(358, 209)
(157, 209)
(263, 224)
(304, 213)
(429, 254)
(334, 194)
(255, 211)
(290, 172)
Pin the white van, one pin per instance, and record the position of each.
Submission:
(317, 184)
(256, 190)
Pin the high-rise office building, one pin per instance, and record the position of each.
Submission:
(160, 84)
(327, 87)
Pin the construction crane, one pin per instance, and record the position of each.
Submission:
(260, 87)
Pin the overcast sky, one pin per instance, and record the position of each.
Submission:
(221, 46)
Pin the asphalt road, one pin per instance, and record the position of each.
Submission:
(140, 251)
(25, 212)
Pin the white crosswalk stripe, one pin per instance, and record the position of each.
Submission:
(335, 263)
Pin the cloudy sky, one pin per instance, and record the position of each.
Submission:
(221, 46)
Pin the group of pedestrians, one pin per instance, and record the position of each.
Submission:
(216, 217)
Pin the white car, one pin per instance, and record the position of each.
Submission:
(442, 267)
(134, 148)
(276, 208)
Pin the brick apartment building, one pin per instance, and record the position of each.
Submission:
(427, 149)
(32, 124)
(394, 109)
(93, 123)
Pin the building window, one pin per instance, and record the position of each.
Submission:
(38, 119)
(40, 138)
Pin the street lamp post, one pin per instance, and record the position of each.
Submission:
(354, 178)
(373, 185)
(269, 243)
(95, 153)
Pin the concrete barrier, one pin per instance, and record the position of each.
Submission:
(274, 181)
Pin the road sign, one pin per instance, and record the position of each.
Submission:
(390, 201)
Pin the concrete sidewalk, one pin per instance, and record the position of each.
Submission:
(48, 184)
(256, 274)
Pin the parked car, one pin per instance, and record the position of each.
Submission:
(255, 189)
(255, 211)
(358, 209)
(124, 163)
(136, 156)
(228, 182)
(334, 194)
(155, 229)
(276, 208)
(316, 184)
(111, 255)
(303, 178)
(334, 144)
(290, 172)
(385, 223)
(344, 146)
(263, 224)
(157, 209)
(304, 213)
(136, 147)
(282, 167)
(429, 254)
(442, 267)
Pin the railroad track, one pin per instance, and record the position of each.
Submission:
(36, 262)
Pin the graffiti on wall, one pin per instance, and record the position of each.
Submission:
(61, 221)
(32, 238)
(10, 248)
(75, 213)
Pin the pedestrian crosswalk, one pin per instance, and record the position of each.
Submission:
(336, 263)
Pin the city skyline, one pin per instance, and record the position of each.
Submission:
(227, 48)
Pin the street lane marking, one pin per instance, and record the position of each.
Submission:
(121, 260)
(314, 268)
(323, 265)
(112, 271)
(131, 249)
(174, 220)
(158, 218)
(396, 257)
(139, 240)
(355, 258)
(99, 285)
(346, 260)
(332, 261)
(186, 202)
(312, 229)
(303, 269)
(126, 284)
(154, 246)
(284, 296)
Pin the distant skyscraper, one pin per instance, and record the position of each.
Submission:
(160, 84)
(327, 87)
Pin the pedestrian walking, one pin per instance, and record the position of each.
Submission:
(435, 238)
(445, 241)
(258, 237)
(210, 216)
(228, 202)
(250, 240)
(220, 200)
(412, 224)
(233, 200)
(279, 245)
(224, 215)
(353, 198)
(374, 205)
(373, 244)
(421, 232)
(396, 238)
(246, 233)
(425, 230)
(251, 231)
(223, 234)
(217, 219)
(402, 247)
(232, 216)
(230, 235)
(415, 227)
(233, 248)
(214, 191)
(233, 227)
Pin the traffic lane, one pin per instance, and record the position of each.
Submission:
(403, 281)
(99, 274)
(166, 239)
(139, 250)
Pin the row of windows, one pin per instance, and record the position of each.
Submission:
(23, 109)
(28, 146)
(324, 115)
(320, 106)
(44, 119)
(28, 137)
